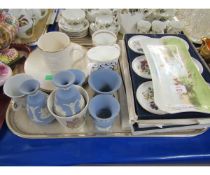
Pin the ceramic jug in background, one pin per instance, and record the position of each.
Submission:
(36, 102)
(205, 49)
(68, 100)
(58, 51)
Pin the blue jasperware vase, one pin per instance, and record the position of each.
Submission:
(68, 100)
(36, 102)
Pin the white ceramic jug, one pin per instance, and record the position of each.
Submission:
(58, 51)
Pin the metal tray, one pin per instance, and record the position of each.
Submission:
(22, 126)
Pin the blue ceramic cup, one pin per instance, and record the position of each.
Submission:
(79, 76)
(104, 109)
(105, 81)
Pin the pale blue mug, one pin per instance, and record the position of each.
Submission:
(105, 81)
(104, 109)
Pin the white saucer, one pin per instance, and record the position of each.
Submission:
(185, 42)
(134, 43)
(36, 67)
(137, 66)
(198, 65)
(146, 100)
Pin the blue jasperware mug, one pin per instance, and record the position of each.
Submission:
(105, 81)
(104, 109)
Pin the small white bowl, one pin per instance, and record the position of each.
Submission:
(104, 37)
(75, 121)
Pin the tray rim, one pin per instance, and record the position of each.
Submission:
(127, 134)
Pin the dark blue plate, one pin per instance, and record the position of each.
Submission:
(137, 80)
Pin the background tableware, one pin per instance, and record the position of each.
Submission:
(36, 102)
(104, 81)
(158, 27)
(5, 73)
(145, 97)
(24, 25)
(74, 30)
(68, 100)
(101, 57)
(104, 109)
(12, 89)
(57, 51)
(79, 76)
(141, 67)
(196, 23)
(74, 121)
(73, 16)
(104, 37)
(174, 27)
(8, 29)
(93, 13)
(104, 21)
(143, 26)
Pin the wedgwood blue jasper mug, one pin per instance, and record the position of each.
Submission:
(104, 109)
(105, 81)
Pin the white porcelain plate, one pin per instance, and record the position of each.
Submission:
(185, 42)
(134, 43)
(141, 67)
(145, 97)
(36, 66)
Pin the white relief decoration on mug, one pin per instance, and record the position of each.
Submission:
(59, 110)
(44, 113)
(33, 112)
(71, 106)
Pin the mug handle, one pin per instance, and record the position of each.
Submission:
(79, 49)
(15, 106)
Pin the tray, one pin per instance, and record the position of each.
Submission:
(38, 30)
(20, 125)
(136, 80)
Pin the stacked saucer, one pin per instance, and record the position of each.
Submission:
(73, 23)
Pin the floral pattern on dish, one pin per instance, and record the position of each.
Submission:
(134, 43)
(141, 67)
(145, 97)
